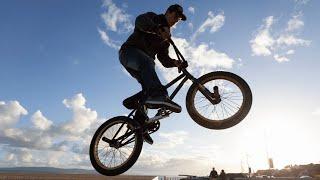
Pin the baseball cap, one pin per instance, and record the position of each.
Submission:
(177, 8)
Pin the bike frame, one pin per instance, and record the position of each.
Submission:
(184, 76)
(162, 113)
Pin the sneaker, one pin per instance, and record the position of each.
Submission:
(132, 101)
(162, 101)
(147, 138)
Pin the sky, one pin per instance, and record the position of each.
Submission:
(61, 78)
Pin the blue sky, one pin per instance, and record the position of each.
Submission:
(59, 68)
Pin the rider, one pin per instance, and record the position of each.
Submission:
(137, 55)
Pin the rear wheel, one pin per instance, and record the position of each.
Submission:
(231, 100)
(116, 146)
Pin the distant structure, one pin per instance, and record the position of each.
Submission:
(270, 161)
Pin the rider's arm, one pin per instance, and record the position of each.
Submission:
(145, 23)
(164, 58)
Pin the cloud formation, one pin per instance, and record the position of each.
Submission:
(191, 9)
(213, 23)
(200, 56)
(115, 18)
(172, 139)
(31, 145)
(262, 43)
(83, 117)
(267, 42)
(107, 40)
(40, 122)
(201, 59)
(10, 113)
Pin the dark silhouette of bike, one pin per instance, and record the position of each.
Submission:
(217, 100)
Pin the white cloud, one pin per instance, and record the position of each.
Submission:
(295, 23)
(10, 157)
(291, 40)
(45, 135)
(106, 39)
(26, 137)
(279, 58)
(31, 157)
(46, 143)
(262, 43)
(301, 2)
(172, 139)
(83, 117)
(26, 156)
(203, 56)
(201, 59)
(191, 9)
(55, 159)
(40, 122)
(10, 113)
(289, 52)
(16, 134)
(115, 18)
(19, 157)
(213, 23)
(268, 42)
(190, 25)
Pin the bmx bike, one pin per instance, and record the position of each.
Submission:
(217, 100)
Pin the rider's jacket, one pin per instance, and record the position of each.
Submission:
(145, 38)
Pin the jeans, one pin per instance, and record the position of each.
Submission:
(142, 67)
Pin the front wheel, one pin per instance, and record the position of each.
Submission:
(116, 146)
(230, 100)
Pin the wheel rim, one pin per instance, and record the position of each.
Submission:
(109, 157)
(232, 99)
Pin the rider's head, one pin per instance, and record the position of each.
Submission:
(174, 13)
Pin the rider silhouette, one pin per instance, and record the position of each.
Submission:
(137, 55)
(213, 174)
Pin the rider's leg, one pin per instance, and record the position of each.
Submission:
(157, 95)
(142, 67)
(135, 60)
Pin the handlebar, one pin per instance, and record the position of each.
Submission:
(178, 53)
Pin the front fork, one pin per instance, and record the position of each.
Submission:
(214, 97)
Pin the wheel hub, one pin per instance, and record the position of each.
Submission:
(216, 95)
(115, 144)
(112, 143)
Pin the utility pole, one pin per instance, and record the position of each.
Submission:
(249, 168)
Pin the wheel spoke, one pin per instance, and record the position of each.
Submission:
(231, 106)
(231, 100)
(112, 157)
(236, 105)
